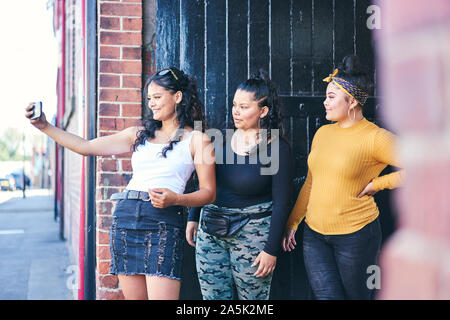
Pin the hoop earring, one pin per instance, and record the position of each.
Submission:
(258, 132)
(354, 114)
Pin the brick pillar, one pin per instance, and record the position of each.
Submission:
(119, 101)
(414, 61)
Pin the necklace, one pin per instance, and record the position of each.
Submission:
(244, 143)
(168, 137)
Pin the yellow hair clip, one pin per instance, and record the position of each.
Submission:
(331, 76)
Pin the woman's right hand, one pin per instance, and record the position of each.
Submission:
(191, 232)
(39, 123)
(288, 242)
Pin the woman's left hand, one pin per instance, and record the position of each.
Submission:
(368, 190)
(267, 264)
(191, 232)
(162, 197)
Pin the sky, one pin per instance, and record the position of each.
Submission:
(28, 62)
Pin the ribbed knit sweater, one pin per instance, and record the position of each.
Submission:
(341, 164)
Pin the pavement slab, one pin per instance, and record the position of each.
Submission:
(34, 262)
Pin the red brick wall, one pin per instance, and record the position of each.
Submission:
(414, 50)
(119, 101)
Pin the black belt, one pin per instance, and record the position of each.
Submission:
(131, 194)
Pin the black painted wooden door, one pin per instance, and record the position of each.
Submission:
(221, 42)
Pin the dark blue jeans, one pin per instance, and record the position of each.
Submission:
(337, 264)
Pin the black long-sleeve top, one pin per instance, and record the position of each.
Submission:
(241, 184)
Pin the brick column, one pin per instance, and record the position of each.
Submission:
(119, 107)
(414, 51)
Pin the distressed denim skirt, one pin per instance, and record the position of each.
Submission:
(146, 240)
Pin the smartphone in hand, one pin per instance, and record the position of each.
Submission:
(37, 110)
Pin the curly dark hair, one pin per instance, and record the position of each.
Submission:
(266, 93)
(190, 108)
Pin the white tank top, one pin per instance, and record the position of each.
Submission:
(152, 170)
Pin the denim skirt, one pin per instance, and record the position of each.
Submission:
(146, 240)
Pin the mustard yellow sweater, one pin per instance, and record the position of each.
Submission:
(341, 163)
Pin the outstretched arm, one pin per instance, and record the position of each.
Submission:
(113, 144)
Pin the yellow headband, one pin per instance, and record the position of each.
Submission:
(351, 90)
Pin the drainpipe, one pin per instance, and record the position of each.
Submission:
(82, 242)
(87, 262)
(91, 121)
(59, 151)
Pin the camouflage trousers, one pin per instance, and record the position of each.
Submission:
(225, 264)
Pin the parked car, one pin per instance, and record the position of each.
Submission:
(8, 183)
(18, 178)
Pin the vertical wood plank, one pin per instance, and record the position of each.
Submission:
(343, 29)
(237, 50)
(168, 34)
(322, 54)
(259, 35)
(281, 45)
(364, 42)
(192, 57)
(301, 21)
(215, 94)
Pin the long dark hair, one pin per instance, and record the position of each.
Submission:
(190, 108)
(266, 93)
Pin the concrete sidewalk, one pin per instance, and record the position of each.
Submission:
(34, 263)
